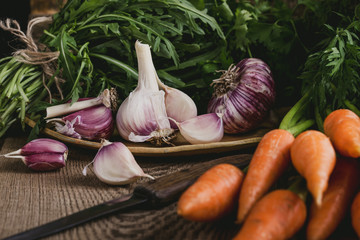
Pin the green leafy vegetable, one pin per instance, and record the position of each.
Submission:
(330, 77)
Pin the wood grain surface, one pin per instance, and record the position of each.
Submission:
(29, 199)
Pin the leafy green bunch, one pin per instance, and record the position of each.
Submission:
(96, 40)
(330, 77)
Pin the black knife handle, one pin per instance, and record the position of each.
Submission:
(167, 189)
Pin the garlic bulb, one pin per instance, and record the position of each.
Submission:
(114, 164)
(42, 154)
(179, 106)
(142, 115)
(93, 123)
(204, 128)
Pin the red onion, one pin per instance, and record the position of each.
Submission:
(245, 93)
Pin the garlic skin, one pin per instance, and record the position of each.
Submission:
(204, 128)
(114, 164)
(179, 105)
(142, 115)
(93, 123)
(108, 98)
(42, 154)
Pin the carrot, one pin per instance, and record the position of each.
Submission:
(343, 128)
(213, 195)
(343, 185)
(355, 214)
(278, 215)
(313, 156)
(270, 160)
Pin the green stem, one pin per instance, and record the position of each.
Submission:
(299, 187)
(22, 93)
(117, 63)
(29, 80)
(22, 112)
(318, 119)
(297, 36)
(34, 87)
(287, 122)
(9, 110)
(352, 107)
(81, 69)
(9, 68)
(300, 127)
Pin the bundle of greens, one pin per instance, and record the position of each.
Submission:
(330, 78)
(95, 41)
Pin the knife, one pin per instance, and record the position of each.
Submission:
(153, 194)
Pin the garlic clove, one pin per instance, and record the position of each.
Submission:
(43, 145)
(114, 164)
(204, 128)
(42, 154)
(179, 105)
(45, 161)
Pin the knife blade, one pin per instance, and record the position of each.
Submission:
(153, 194)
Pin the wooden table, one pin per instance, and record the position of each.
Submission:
(29, 199)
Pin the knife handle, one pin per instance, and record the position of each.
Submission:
(167, 189)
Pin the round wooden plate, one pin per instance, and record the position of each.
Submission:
(181, 146)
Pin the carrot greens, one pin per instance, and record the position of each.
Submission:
(330, 78)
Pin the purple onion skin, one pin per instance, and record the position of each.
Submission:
(249, 101)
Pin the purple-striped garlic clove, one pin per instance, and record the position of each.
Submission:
(204, 128)
(114, 164)
(45, 161)
(42, 154)
(179, 106)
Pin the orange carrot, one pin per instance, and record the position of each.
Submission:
(343, 128)
(270, 160)
(343, 185)
(313, 156)
(213, 195)
(355, 214)
(278, 215)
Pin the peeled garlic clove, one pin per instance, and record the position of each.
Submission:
(114, 164)
(204, 128)
(42, 154)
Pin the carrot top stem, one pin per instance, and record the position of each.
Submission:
(301, 126)
(318, 119)
(298, 186)
(352, 107)
(288, 120)
(294, 120)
